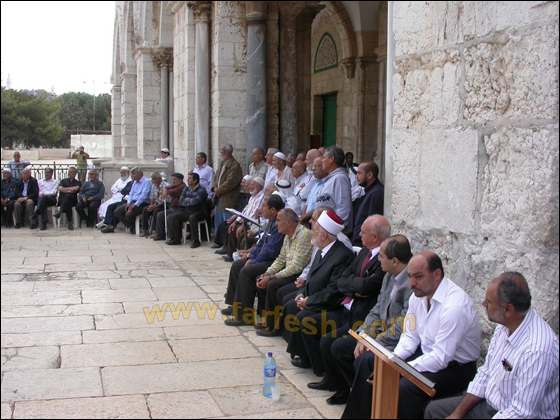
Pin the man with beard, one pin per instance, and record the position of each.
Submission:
(372, 202)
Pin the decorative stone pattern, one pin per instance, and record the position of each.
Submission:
(326, 56)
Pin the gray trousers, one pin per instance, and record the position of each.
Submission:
(19, 209)
(441, 409)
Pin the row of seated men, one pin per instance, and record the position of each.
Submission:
(312, 289)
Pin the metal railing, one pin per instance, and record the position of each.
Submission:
(60, 171)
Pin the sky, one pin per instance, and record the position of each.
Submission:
(55, 45)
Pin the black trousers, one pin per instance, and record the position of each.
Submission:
(175, 224)
(92, 207)
(66, 203)
(235, 243)
(268, 298)
(128, 219)
(338, 356)
(42, 204)
(7, 212)
(221, 236)
(110, 219)
(146, 218)
(242, 286)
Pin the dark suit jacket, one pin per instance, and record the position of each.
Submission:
(32, 189)
(320, 287)
(351, 283)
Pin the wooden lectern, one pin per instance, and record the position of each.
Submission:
(388, 369)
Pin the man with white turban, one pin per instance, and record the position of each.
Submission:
(116, 189)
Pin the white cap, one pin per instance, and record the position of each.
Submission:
(280, 155)
(125, 168)
(248, 178)
(165, 150)
(6, 170)
(259, 181)
(279, 194)
(283, 184)
(330, 221)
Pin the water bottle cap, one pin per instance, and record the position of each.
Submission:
(270, 354)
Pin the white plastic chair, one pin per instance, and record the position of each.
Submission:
(203, 222)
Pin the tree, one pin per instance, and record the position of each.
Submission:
(71, 114)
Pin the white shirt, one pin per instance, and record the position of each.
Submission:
(254, 204)
(206, 174)
(530, 389)
(286, 176)
(448, 332)
(48, 187)
(271, 175)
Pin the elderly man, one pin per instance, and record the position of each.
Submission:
(290, 160)
(284, 172)
(173, 194)
(272, 171)
(68, 191)
(519, 378)
(27, 194)
(372, 202)
(8, 196)
(245, 270)
(294, 256)
(226, 185)
(382, 322)
(117, 196)
(155, 205)
(302, 189)
(320, 293)
(301, 157)
(337, 189)
(17, 165)
(311, 204)
(81, 162)
(91, 194)
(258, 168)
(299, 172)
(165, 157)
(48, 189)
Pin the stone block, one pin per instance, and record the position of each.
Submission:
(138, 283)
(195, 350)
(41, 298)
(6, 411)
(67, 285)
(30, 358)
(200, 331)
(62, 310)
(41, 339)
(121, 295)
(117, 336)
(16, 287)
(198, 405)
(168, 293)
(171, 282)
(46, 324)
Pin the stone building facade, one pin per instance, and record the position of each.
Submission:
(456, 101)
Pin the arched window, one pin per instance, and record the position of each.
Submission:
(326, 57)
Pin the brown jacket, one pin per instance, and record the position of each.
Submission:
(231, 184)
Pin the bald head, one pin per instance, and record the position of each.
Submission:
(425, 273)
(310, 158)
(514, 290)
(374, 231)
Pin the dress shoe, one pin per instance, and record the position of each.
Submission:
(173, 242)
(33, 219)
(17, 226)
(159, 238)
(144, 232)
(221, 251)
(43, 227)
(215, 246)
(228, 311)
(195, 244)
(259, 326)
(227, 258)
(232, 323)
(265, 332)
(132, 231)
(301, 363)
(323, 385)
(339, 398)
(57, 215)
(108, 229)
(33, 226)
(70, 226)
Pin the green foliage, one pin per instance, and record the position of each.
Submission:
(76, 105)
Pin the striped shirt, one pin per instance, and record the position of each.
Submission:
(294, 255)
(258, 171)
(520, 375)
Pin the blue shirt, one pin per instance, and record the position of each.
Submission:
(269, 246)
(17, 167)
(140, 192)
(312, 197)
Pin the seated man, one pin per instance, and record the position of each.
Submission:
(172, 194)
(110, 218)
(320, 293)
(246, 270)
(339, 353)
(8, 195)
(294, 256)
(193, 203)
(27, 193)
(156, 204)
(68, 196)
(519, 378)
(91, 194)
(48, 188)
(137, 200)
(117, 197)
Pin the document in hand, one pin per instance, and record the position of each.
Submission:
(249, 219)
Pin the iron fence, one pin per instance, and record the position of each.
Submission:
(61, 171)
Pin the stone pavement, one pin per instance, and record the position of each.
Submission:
(76, 343)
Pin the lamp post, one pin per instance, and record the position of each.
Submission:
(93, 81)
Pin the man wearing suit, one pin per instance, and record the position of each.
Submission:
(226, 185)
(320, 293)
(360, 284)
(27, 193)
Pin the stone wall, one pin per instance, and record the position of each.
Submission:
(475, 141)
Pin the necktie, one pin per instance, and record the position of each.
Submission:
(366, 262)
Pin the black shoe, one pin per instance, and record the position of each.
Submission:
(57, 215)
(339, 398)
(265, 332)
(43, 227)
(159, 238)
(323, 385)
(70, 226)
(33, 220)
(33, 226)
(132, 231)
(17, 226)
(195, 244)
(227, 258)
(301, 363)
(108, 229)
(232, 323)
(173, 242)
(221, 251)
(228, 311)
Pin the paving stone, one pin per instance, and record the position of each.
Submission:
(30, 358)
(300, 378)
(12, 277)
(156, 265)
(195, 350)
(214, 281)
(32, 254)
(103, 274)
(117, 336)
(306, 413)
(24, 269)
(59, 285)
(169, 293)
(106, 322)
(143, 258)
(82, 252)
(200, 331)
(46, 324)
(171, 282)
(180, 405)
(41, 298)
(6, 411)
(126, 380)
(138, 307)
(326, 410)
(129, 284)
(14, 260)
(129, 407)
(141, 321)
(116, 354)
(250, 400)
(165, 273)
(78, 267)
(103, 259)
(51, 384)
(69, 258)
(121, 295)
(41, 339)
(22, 286)
(62, 310)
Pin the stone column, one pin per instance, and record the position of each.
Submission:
(288, 76)
(116, 120)
(202, 11)
(256, 76)
(362, 65)
(129, 145)
(163, 59)
(171, 107)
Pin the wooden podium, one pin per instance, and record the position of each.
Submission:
(386, 377)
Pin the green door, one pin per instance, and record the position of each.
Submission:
(329, 120)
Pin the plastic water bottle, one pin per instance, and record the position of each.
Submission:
(269, 375)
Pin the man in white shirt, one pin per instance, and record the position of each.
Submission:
(444, 345)
(167, 159)
(281, 165)
(520, 376)
(272, 171)
(48, 188)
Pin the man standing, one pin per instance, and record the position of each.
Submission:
(258, 168)
(48, 188)
(519, 378)
(311, 204)
(272, 171)
(81, 162)
(27, 193)
(167, 159)
(226, 185)
(193, 202)
(91, 194)
(68, 196)
(138, 198)
(8, 196)
(17, 165)
(372, 202)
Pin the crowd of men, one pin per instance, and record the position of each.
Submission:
(309, 245)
